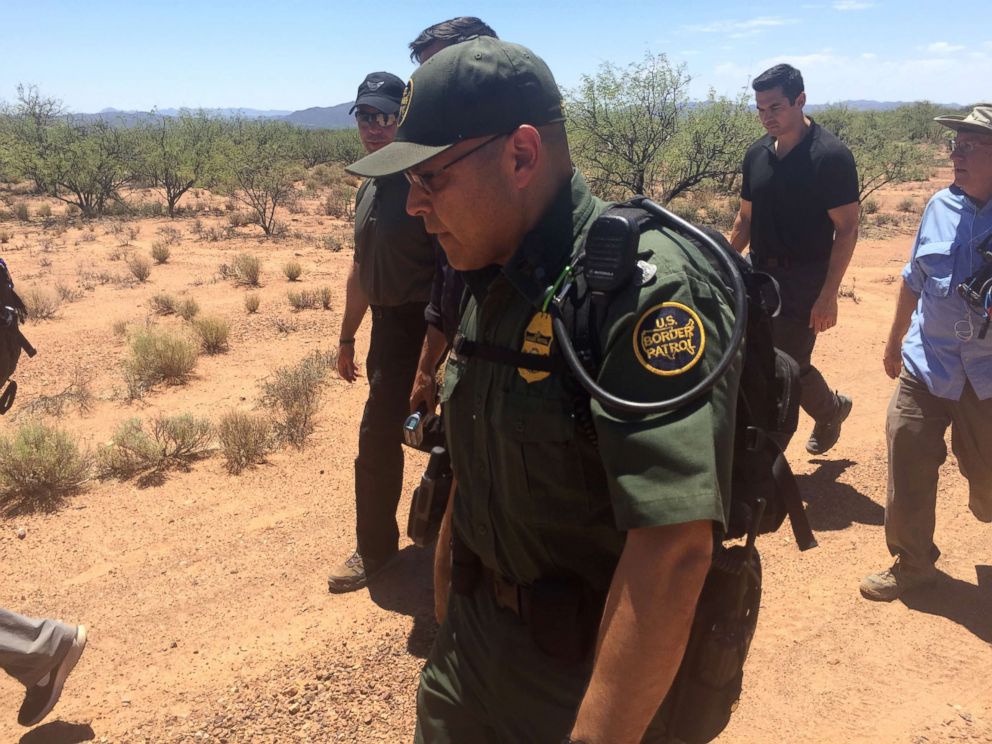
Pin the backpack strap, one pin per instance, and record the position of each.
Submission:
(788, 488)
(464, 348)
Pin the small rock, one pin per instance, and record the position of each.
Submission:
(21, 533)
(294, 708)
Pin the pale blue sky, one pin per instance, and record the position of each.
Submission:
(299, 53)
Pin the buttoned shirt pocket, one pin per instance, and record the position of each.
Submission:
(936, 261)
(540, 460)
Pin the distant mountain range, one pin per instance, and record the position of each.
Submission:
(337, 117)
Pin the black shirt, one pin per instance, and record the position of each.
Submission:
(394, 253)
(789, 202)
(444, 309)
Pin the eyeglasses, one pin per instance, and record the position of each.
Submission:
(380, 119)
(423, 180)
(965, 148)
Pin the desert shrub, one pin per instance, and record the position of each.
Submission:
(339, 204)
(45, 211)
(246, 270)
(325, 297)
(870, 206)
(170, 235)
(239, 219)
(160, 251)
(307, 299)
(119, 327)
(882, 219)
(252, 301)
(163, 303)
(119, 254)
(158, 356)
(293, 395)
(244, 439)
(140, 267)
(40, 303)
(40, 462)
(5, 236)
(284, 326)
(213, 333)
(78, 393)
(172, 441)
(292, 270)
(22, 211)
(907, 205)
(67, 293)
(331, 243)
(197, 228)
(187, 308)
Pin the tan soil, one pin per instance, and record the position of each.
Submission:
(205, 593)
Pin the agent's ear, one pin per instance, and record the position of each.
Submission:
(526, 151)
(801, 99)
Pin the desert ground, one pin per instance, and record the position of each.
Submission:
(205, 593)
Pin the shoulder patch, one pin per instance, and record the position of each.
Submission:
(669, 339)
(537, 340)
(405, 102)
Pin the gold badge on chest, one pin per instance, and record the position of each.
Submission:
(537, 340)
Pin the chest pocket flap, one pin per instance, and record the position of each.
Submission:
(936, 261)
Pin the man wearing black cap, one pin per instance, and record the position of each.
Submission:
(392, 274)
(576, 564)
(940, 349)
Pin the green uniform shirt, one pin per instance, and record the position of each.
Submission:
(536, 498)
(394, 253)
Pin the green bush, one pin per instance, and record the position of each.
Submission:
(213, 333)
(252, 301)
(173, 440)
(40, 463)
(244, 438)
(187, 308)
(293, 395)
(292, 270)
(160, 251)
(22, 211)
(140, 267)
(158, 356)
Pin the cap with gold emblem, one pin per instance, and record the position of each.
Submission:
(480, 87)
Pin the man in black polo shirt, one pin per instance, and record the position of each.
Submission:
(799, 211)
(392, 274)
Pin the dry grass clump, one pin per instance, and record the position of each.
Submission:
(170, 235)
(213, 333)
(173, 441)
(187, 308)
(325, 297)
(67, 293)
(163, 303)
(246, 270)
(244, 439)
(330, 243)
(78, 393)
(140, 267)
(293, 395)
(158, 356)
(292, 270)
(160, 251)
(22, 211)
(307, 299)
(40, 303)
(5, 236)
(40, 463)
(252, 301)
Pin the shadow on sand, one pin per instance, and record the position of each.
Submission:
(968, 605)
(831, 505)
(407, 587)
(59, 732)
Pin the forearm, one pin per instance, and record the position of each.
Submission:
(644, 630)
(355, 304)
(740, 235)
(905, 306)
(840, 258)
(430, 354)
(442, 559)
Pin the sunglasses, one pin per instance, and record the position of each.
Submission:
(424, 180)
(380, 119)
(965, 148)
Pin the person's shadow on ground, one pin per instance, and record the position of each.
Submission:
(968, 605)
(407, 587)
(831, 505)
(59, 732)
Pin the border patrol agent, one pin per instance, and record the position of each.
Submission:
(945, 357)
(392, 273)
(575, 567)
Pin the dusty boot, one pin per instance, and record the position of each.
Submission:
(892, 583)
(352, 574)
(826, 433)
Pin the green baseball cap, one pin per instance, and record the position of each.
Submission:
(480, 87)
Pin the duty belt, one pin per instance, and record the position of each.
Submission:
(508, 595)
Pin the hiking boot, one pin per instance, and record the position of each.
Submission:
(42, 697)
(826, 433)
(352, 574)
(893, 582)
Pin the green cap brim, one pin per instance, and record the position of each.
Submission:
(395, 157)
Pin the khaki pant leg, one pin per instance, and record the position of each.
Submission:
(971, 440)
(915, 427)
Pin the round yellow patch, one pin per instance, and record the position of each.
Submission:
(669, 339)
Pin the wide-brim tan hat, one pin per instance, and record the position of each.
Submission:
(978, 121)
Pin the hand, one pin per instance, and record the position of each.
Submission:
(424, 392)
(892, 359)
(347, 367)
(823, 316)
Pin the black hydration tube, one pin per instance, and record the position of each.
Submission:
(607, 399)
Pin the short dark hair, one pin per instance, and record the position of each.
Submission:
(786, 77)
(449, 32)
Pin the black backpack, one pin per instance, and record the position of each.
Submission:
(12, 341)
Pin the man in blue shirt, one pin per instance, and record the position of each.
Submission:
(940, 348)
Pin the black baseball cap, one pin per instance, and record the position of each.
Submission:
(480, 87)
(381, 90)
